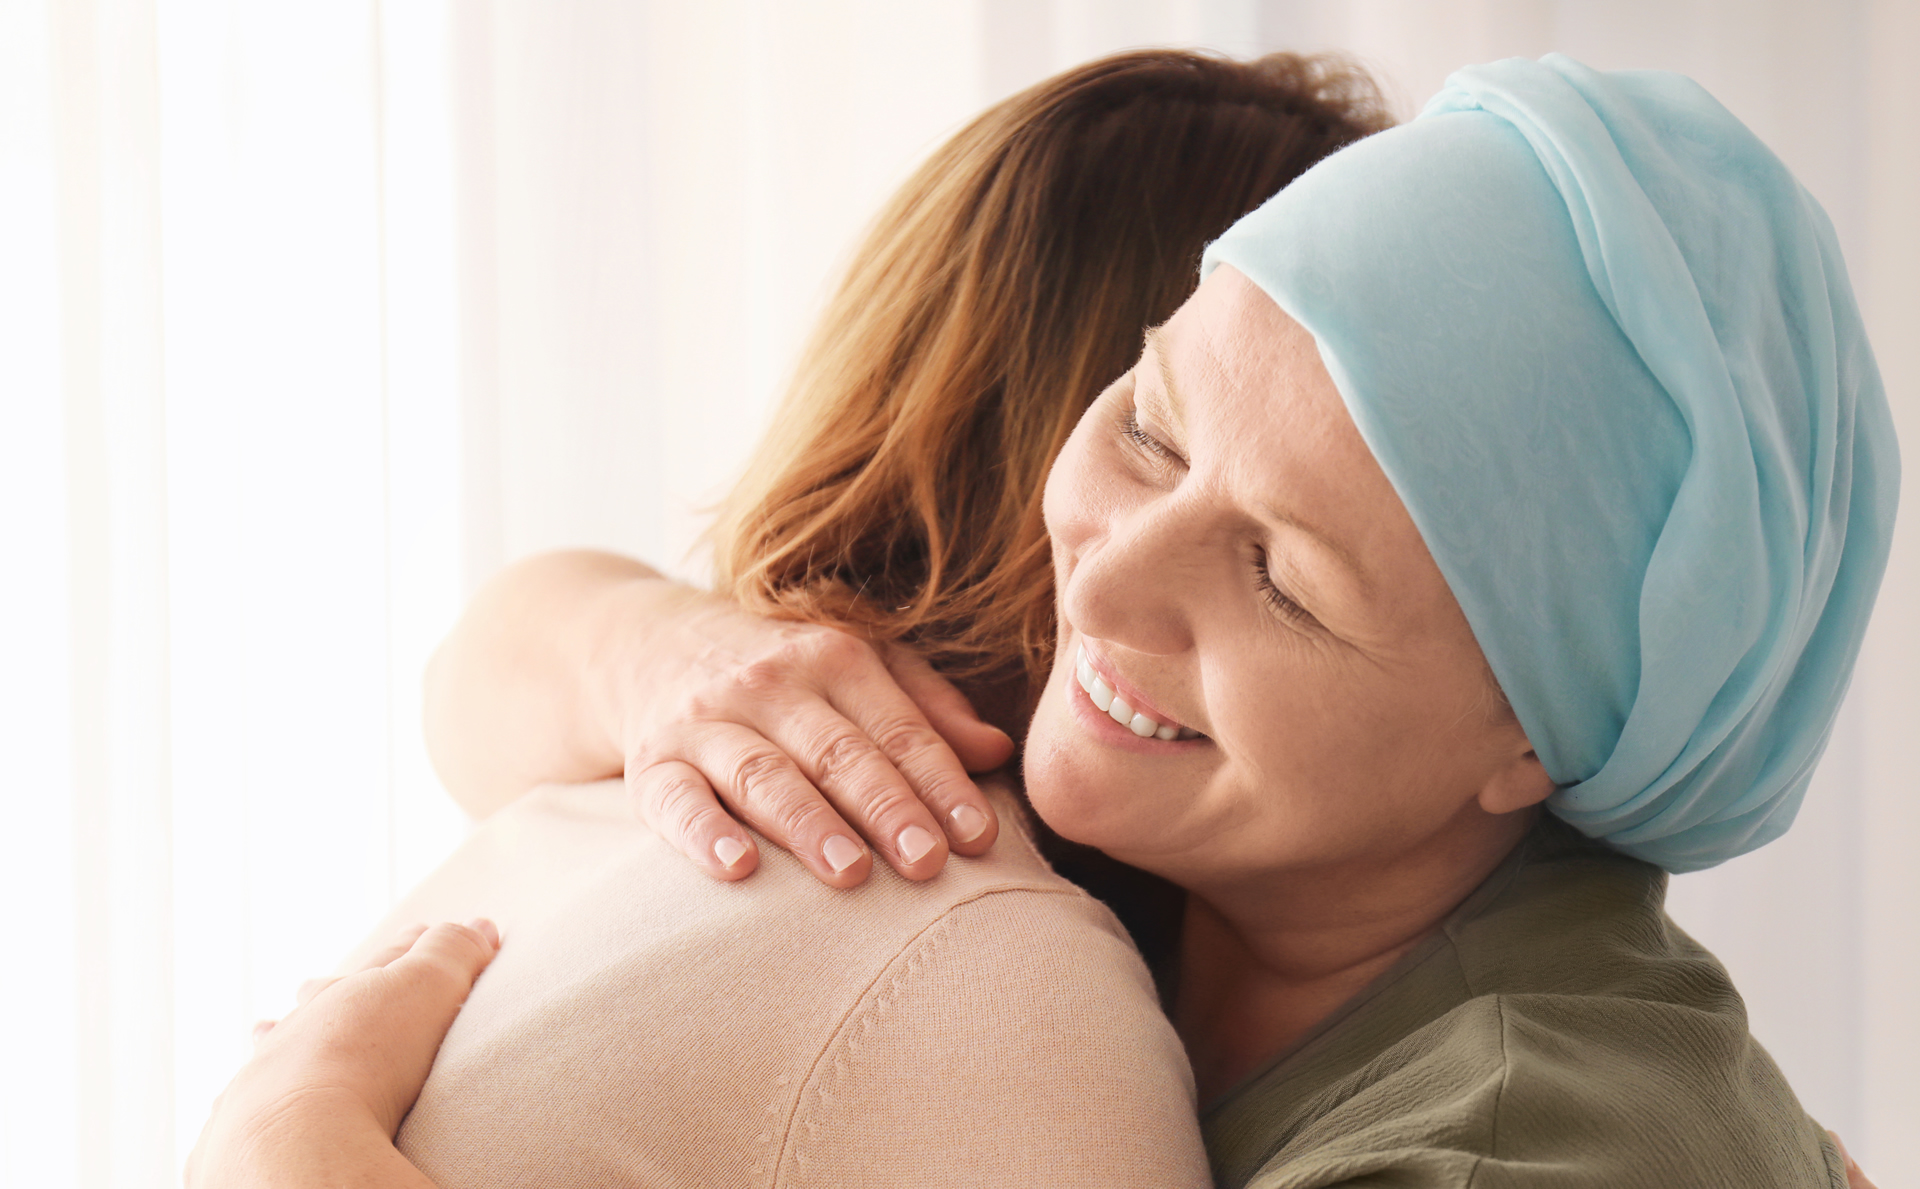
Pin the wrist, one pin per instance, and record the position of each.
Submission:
(627, 638)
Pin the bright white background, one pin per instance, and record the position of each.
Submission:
(312, 315)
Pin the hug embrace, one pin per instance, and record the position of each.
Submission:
(1480, 520)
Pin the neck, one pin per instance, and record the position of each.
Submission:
(1265, 958)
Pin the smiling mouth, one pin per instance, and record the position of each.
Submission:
(1115, 706)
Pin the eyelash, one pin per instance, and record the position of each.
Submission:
(1276, 598)
(1282, 605)
(1130, 426)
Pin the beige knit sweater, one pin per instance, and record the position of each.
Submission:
(644, 1025)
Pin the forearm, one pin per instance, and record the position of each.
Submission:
(515, 695)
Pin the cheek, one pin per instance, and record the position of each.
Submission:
(1348, 757)
(1093, 794)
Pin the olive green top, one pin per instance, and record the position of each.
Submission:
(1557, 1030)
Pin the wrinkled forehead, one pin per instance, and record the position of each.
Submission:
(1243, 385)
(1233, 361)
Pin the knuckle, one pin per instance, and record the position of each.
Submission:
(840, 754)
(886, 809)
(647, 752)
(686, 812)
(762, 677)
(901, 736)
(834, 649)
(801, 819)
(668, 791)
(757, 774)
(662, 745)
(449, 960)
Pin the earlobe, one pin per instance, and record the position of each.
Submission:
(1519, 784)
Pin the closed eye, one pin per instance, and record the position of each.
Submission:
(1131, 428)
(1282, 603)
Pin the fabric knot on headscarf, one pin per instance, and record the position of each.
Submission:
(1605, 349)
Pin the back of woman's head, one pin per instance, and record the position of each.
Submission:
(898, 489)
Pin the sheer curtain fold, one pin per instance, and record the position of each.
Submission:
(229, 389)
(312, 315)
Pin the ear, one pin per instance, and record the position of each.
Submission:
(1520, 783)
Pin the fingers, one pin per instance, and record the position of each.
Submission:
(678, 804)
(767, 790)
(816, 744)
(890, 716)
(427, 984)
(866, 746)
(383, 1025)
(402, 942)
(456, 953)
(858, 766)
(978, 744)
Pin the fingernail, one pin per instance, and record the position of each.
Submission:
(968, 823)
(915, 843)
(486, 929)
(728, 851)
(841, 852)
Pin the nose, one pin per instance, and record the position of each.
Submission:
(1133, 584)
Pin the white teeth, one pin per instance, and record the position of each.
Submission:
(1098, 690)
(1101, 694)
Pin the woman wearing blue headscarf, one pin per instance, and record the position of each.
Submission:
(1493, 532)
(1529, 455)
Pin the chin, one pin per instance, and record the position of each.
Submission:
(1064, 785)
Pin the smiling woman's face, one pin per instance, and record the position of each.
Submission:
(1232, 562)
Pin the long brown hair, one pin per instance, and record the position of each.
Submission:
(898, 489)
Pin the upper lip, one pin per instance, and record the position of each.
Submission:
(1126, 689)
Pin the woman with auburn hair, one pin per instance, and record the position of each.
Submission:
(886, 539)
(997, 1020)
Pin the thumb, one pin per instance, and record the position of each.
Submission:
(980, 746)
(401, 1012)
(453, 953)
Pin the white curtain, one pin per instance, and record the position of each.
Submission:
(227, 360)
(312, 315)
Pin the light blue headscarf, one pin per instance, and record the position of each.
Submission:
(1604, 347)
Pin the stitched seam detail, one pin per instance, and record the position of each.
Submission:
(889, 972)
(1499, 1097)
